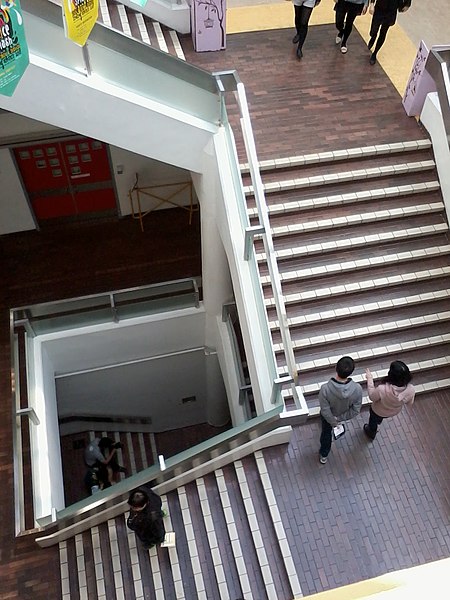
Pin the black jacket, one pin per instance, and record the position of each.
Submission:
(148, 523)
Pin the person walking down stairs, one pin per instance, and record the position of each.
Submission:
(146, 517)
(346, 13)
(390, 396)
(340, 400)
(384, 16)
(302, 14)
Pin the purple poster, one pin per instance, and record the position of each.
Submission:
(208, 25)
(420, 84)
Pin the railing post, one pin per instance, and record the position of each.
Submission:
(250, 233)
(30, 413)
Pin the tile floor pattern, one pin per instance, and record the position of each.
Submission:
(372, 508)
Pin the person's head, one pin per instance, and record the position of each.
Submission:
(399, 374)
(106, 443)
(345, 367)
(138, 500)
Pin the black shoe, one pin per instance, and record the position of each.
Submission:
(299, 53)
(368, 432)
(295, 38)
(373, 59)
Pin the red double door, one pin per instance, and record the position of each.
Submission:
(67, 178)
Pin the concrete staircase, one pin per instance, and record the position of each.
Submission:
(140, 27)
(231, 543)
(362, 244)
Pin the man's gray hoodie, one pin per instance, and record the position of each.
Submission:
(340, 401)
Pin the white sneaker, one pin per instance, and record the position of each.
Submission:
(323, 459)
(344, 49)
(338, 39)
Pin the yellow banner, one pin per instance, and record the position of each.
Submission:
(80, 17)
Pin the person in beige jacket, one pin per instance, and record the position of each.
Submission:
(388, 398)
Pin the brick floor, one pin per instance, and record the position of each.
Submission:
(326, 101)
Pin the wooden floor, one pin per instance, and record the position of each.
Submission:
(373, 507)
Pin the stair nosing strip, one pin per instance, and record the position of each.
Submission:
(362, 309)
(343, 176)
(378, 149)
(356, 242)
(308, 204)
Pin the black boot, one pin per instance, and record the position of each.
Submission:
(370, 434)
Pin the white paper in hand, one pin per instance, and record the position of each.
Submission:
(338, 431)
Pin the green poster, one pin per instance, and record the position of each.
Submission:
(13, 46)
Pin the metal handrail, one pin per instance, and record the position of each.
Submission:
(229, 81)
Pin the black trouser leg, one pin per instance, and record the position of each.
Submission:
(325, 438)
(374, 421)
(381, 37)
(351, 16)
(302, 15)
(340, 19)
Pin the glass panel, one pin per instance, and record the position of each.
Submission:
(86, 158)
(83, 146)
(73, 160)
(41, 164)
(70, 148)
(96, 145)
(63, 322)
(56, 172)
(38, 152)
(53, 162)
(24, 154)
(75, 170)
(90, 310)
(124, 62)
(51, 151)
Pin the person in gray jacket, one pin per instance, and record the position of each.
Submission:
(340, 400)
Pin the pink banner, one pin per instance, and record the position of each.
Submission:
(208, 25)
(420, 84)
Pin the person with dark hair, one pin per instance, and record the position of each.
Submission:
(340, 400)
(101, 454)
(384, 16)
(302, 14)
(346, 13)
(388, 398)
(146, 516)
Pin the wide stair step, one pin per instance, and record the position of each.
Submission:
(362, 244)
(230, 542)
(140, 27)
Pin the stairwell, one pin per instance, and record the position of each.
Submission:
(362, 244)
(140, 27)
(230, 543)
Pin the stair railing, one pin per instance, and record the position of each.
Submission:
(205, 457)
(230, 81)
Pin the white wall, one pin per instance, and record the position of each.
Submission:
(151, 389)
(15, 213)
(431, 117)
(114, 343)
(47, 479)
(90, 107)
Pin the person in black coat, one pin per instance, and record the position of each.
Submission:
(146, 516)
(384, 16)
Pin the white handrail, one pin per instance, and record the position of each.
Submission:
(263, 215)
